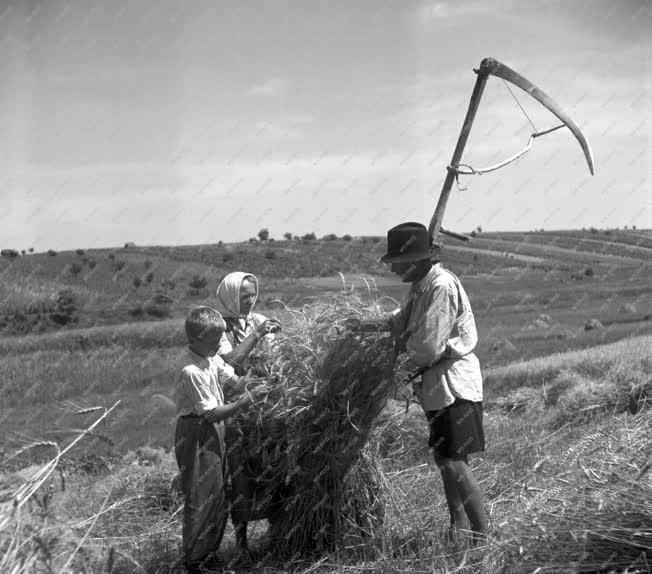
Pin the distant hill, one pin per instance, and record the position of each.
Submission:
(134, 283)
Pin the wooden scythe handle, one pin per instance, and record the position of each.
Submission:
(435, 223)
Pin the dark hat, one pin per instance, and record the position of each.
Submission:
(408, 242)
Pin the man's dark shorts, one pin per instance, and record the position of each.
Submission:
(456, 430)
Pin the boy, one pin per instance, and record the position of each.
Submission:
(437, 330)
(199, 436)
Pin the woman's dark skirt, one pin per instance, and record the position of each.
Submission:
(456, 430)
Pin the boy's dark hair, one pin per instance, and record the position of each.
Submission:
(200, 320)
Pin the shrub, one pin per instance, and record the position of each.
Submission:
(253, 240)
(270, 254)
(593, 230)
(474, 233)
(588, 272)
(137, 282)
(227, 257)
(92, 263)
(220, 243)
(111, 256)
(148, 277)
(161, 298)
(136, 311)
(79, 252)
(263, 234)
(375, 239)
(119, 265)
(330, 237)
(198, 282)
(51, 252)
(147, 264)
(65, 306)
(347, 237)
(479, 228)
(288, 236)
(23, 252)
(11, 253)
(31, 250)
(76, 268)
(309, 237)
(157, 310)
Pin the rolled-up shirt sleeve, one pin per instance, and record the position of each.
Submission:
(197, 390)
(428, 343)
(225, 373)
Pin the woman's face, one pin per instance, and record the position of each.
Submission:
(247, 296)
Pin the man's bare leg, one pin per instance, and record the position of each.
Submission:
(471, 497)
(451, 490)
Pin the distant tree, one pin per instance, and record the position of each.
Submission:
(593, 230)
(198, 282)
(31, 250)
(148, 277)
(263, 234)
(309, 237)
(479, 228)
(137, 282)
(347, 237)
(79, 252)
(272, 240)
(220, 243)
(330, 237)
(161, 298)
(76, 268)
(23, 252)
(51, 252)
(633, 226)
(473, 233)
(296, 238)
(11, 253)
(147, 264)
(92, 263)
(288, 236)
(253, 240)
(270, 254)
(129, 244)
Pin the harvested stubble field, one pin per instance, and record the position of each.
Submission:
(565, 476)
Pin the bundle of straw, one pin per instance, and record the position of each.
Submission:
(307, 436)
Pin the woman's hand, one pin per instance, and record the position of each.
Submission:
(268, 326)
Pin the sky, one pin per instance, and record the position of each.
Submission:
(169, 123)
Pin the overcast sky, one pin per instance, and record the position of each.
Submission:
(167, 122)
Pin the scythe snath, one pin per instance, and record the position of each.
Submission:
(491, 67)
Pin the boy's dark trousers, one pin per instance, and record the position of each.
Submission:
(199, 451)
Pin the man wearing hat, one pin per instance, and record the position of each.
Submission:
(436, 328)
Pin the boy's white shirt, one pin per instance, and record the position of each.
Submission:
(199, 388)
(441, 321)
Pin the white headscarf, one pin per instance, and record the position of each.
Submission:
(228, 294)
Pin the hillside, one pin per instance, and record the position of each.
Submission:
(574, 271)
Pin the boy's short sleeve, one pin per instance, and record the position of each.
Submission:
(225, 345)
(197, 391)
(225, 372)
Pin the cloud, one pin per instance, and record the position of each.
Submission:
(273, 87)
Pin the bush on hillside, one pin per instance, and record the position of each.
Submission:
(347, 237)
(263, 234)
(270, 254)
(92, 263)
(75, 268)
(309, 237)
(288, 236)
(198, 282)
(51, 252)
(10, 253)
(79, 252)
(330, 237)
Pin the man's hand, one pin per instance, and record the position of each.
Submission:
(268, 326)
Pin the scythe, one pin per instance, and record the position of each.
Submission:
(491, 67)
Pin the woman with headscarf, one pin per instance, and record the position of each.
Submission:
(236, 297)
